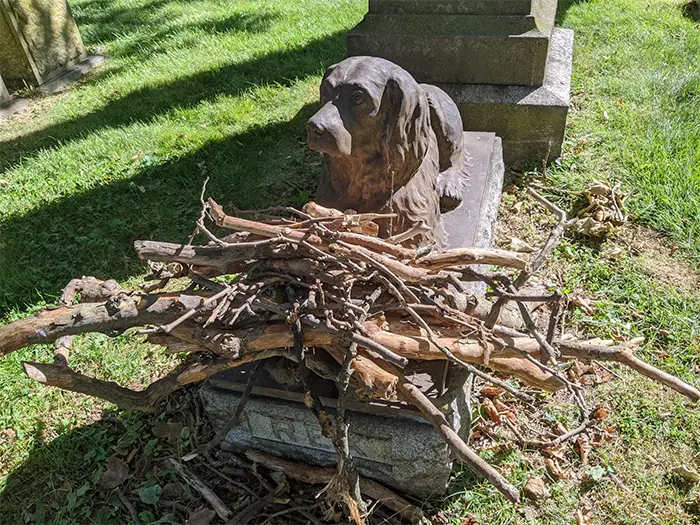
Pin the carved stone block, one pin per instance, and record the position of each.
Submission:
(38, 40)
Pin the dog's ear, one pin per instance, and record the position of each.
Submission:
(407, 122)
(323, 86)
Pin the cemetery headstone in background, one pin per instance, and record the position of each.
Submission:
(503, 62)
(39, 40)
(4, 95)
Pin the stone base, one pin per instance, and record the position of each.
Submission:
(391, 442)
(472, 222)
(530, 120)
(392, 445)
(451, 41)
(68, 74)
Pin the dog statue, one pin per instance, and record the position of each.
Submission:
(390, 145)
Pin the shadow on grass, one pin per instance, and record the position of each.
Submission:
(92, 233)
(281, 68)
(564, 6)
(691, 10)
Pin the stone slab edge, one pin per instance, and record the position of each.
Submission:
(551, 99)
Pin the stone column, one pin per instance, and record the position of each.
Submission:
(502, 61)
(38, 41)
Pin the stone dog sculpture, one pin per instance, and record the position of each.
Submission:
(390, 145)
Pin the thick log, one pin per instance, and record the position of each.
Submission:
(625, 355)
(111, 317)
(467, 256)
(144, 400)
(322, 476)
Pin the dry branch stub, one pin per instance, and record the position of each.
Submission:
(282, 288)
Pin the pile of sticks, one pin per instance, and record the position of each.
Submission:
(317, 287)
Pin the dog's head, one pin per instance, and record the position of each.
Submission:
(372, 110)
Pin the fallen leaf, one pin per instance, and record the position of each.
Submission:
(4, 183)
(600, 414)
(150, 495)
(200, 516)
(583, 448)
(491, 410)
(536, 490)
(554, 469)
(114, 475)
(581, 518)
(684, 472)
(518, 245)
(491, 391)
(168, 430)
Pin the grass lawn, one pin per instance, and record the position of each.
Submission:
(221, 89)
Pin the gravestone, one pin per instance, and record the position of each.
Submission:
(4, 94)
(392, 442)
(502, 61)
(39, 40)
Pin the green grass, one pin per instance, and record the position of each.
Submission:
(636, 63)
(221, 89)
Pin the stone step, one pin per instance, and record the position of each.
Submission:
(462, 7)
(451, 25)
(466, 59)
(530, 120)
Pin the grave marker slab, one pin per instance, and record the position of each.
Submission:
(38, 40)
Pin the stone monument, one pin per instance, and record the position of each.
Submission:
(384, 138)
(4, 94)
(39, 41)
(502, 61)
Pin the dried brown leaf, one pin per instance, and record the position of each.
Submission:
(200, 516)
(114, 475)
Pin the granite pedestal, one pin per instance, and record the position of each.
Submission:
(502, 61)
(391, 441)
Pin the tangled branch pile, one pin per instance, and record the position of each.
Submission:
(321, 289)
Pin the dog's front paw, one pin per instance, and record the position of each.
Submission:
(450, 187)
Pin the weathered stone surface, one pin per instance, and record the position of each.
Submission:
(37, 39)
(473, 221)
(459, 43)
(4, 95)
(531, 121)
(399, 449)
(72, 73)
(462, 7)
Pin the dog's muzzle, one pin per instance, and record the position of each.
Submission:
(326, 133)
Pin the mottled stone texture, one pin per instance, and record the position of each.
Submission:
(502, 61)
(38, 39)
(463, 41)
(4, 95)
(531, 120)
(401, 450)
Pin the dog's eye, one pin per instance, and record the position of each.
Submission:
(357, 97)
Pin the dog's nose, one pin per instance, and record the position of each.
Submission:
(313, 128)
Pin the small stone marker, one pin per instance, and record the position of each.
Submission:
(502, 61)
(38, 41)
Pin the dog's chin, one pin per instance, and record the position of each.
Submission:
(328, 145)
